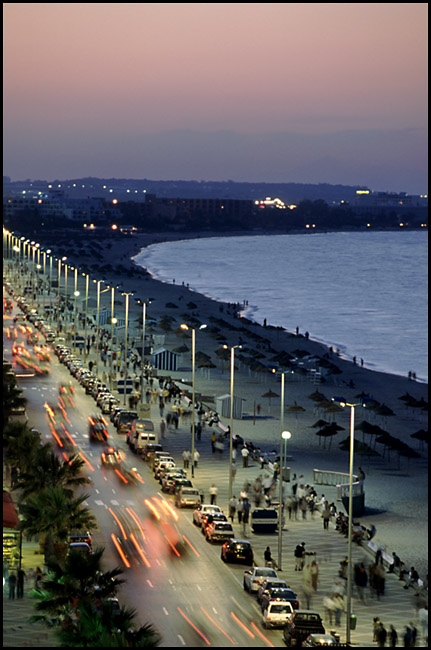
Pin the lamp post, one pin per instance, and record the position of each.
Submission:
(144, 316)
(184, 326)
(76, 294)
(343, 403)
(232, 371)
(113, 322)
(284, 435)
(127, 294)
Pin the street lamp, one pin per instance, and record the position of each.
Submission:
(284, 435)
(76, 294)
(144, 316)
(184, 326)
(127, 294)
(343, 402)
(113, 322)
(232, 371)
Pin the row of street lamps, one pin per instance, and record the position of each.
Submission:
(16, 244)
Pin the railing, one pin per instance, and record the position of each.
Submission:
(340, 480)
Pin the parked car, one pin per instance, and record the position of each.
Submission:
(268, 584)
(167, 461)
(150, 449)
(319, 640)
(169, 480)
(219, 531)
(124, 421)
(302, 623)
(170, 471)
(264, 520)
(281, 593)
(187, 497)
(202, 510)
(254, 577)
(177, 483)
(277, 613)
(237, 550)
(209, 517)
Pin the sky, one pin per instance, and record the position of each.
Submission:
(275, 92)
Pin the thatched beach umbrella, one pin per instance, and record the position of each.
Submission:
(317, 396)
(296, 408)
(328, 432)
(269, 394)
(319, 424)
(422, 436)
(359, 447)
(333, 409)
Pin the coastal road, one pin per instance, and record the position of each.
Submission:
(176, 580)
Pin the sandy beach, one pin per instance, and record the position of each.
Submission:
(396, 487)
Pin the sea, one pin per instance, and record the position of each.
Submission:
(364, 293)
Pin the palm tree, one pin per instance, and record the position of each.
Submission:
(47, 469)
(101, 630)
(74, 600)
(80, 579)
(53, 512)
(12, 398)
(19, 444)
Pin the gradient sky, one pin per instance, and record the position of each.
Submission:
(304, 92)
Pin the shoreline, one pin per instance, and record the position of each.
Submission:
(254, 313)
(396, 488)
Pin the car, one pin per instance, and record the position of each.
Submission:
(187, 497)
(268, 584)
(318, 640)
(237, 550)
(282, 593)
(177, 483)
(158, 457)
(210, 517)
(110, 457)
(170, 471)
(168, 481)
(219, 531)
(150, 449)
(302, 623)
(264, 520)
(201, 510)
(124, 421)
(76, 536)
(168, 461)
(98, 429)
(254, 577)
(277, 613)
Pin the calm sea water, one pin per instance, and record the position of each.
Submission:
(364, 293)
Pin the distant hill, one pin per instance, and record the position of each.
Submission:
(287, 192)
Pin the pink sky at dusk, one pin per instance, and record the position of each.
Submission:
(90, 88)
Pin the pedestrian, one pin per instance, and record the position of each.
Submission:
(326, 515)
(12, 585)
(339, 608)
(239, 510)
(307, 590)
(245, 454)
(376, 622)
(20, 583)
(393, 637)
(329, 607)
(299, 554)
(423, 621)
(361, 580)
(314, 574)
(162, 428)
(233, 504)
(213, 441)
(381, 634)
(245, 515)
(213, 494)
(186, 458)
(395, 564)
(361, 474)
(413, 578)
(414, 634)
(407, 637)
(37, 578)
(267, 557)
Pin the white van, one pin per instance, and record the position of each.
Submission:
(141, 434)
